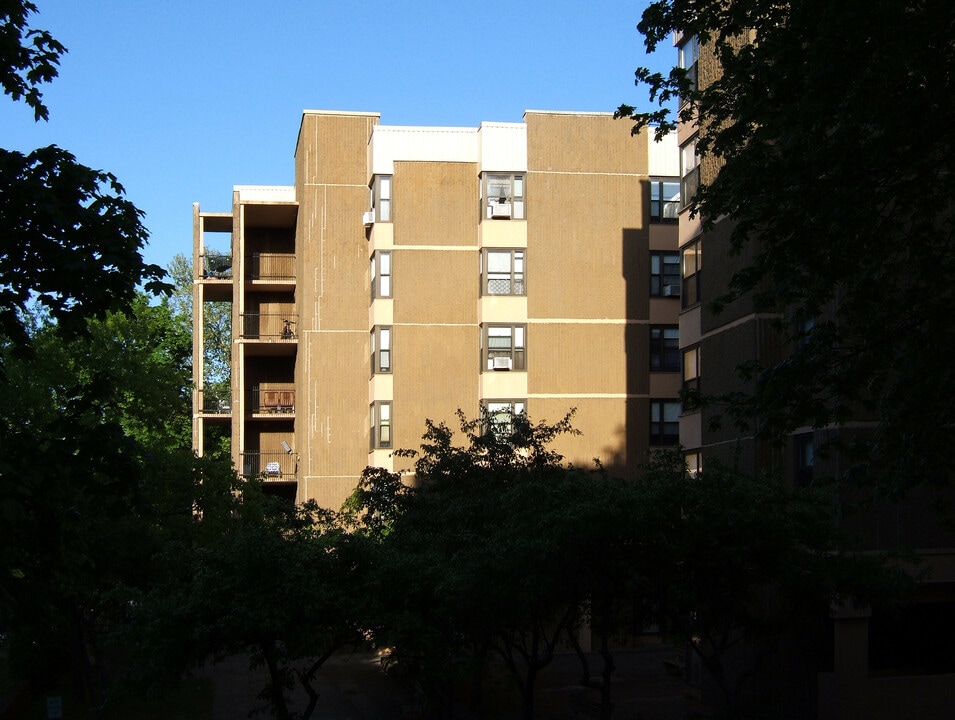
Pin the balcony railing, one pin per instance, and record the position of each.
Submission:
(217, 266)
(271, 401)
(272, 266)
(268, 326)
(269, 466)
(216, 402)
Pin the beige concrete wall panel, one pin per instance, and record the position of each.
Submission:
(569, 142)
(503, 233)
(328, 492)
(587, 254)
(720, 264)
(613, 430)
(333, 149)
(664, 236)
(435, 203)
(664, 311)
(587, 358)
(332, 416)
(435, 286)
(665, 385)
(435, 374)
(333, 270)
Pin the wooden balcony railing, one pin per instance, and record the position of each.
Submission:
(271, 266)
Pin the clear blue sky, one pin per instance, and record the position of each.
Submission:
(182, 100)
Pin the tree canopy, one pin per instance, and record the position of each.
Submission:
(831, 127)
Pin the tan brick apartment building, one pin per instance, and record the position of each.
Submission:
(871, 664)
(413, 271)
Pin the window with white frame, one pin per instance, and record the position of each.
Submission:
(692, 273)
(664, 274)
(664, 422)
(691, 377)
(503, 196)
(664, 199)
(381, 275)
(500, 415)
(689, 172)
(380, 432)
(502, 272)
(381, 197)
(381, 350)
(504, 347)
(689, 56)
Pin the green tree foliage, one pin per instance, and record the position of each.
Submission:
(500, 551)
(276, 583)
(740, 563)
(834, 139)
(478, 549)
(28, 57)
(94, 462)
(217, 323)
(95, 469)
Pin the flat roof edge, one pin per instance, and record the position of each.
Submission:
(342, 112)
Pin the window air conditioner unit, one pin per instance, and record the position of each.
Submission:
(501, 363)
(368, 218)
(497, 209)
(671, 291)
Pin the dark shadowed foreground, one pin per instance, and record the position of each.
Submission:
(354, 687)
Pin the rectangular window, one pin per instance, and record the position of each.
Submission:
(691, 271)
(381, 275)
(381, 198)
(503, 196)
(664, 422)
(689, 172)
(689, 56)
(504, 347)
(380, 425)
(502, 272)
(381, 350)
(500, 415)
(804, 452)
(691, 376)
(664, 348)
(694, 463)
(664, 199)
(665, 274)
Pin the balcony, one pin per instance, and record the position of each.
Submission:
(270, 271)
(272, 402)
(217, 267)
(270, 466)
(268, 326)
(215, 401)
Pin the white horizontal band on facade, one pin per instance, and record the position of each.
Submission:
(590, 174)
(345, 185)
(588, 396)
(587, 321)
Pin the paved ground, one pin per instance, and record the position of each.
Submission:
(353, 687)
